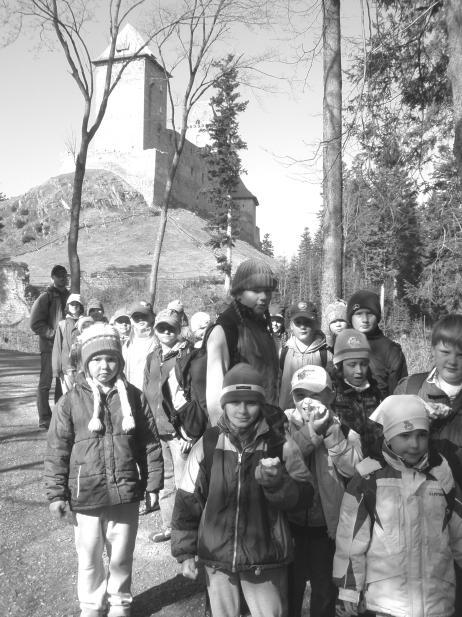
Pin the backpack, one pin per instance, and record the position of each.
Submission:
(415, 382)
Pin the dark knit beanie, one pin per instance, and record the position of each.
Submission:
(253, 274)
(364, 299)
(350, 344)
(242, 383)
(100, 339)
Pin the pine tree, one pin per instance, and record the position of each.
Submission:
(267, 246)
(224, 164)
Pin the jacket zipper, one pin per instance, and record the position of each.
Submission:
(236, 520)
(78, 481)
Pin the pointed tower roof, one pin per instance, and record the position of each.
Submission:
(129, 43)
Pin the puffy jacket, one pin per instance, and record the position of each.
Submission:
(91, 470)
(227, 518)
(387, 362)
(398, 535)
(47, 311)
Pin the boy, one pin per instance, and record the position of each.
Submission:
(399, 531)
(65, 337)
(241, 478)
(314, 530)
(307, 345)
(103, 453)
(387, 361)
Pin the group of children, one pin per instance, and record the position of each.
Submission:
(351, 483)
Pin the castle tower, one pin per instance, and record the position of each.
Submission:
(136, 114)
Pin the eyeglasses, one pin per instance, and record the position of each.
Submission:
(165, 327)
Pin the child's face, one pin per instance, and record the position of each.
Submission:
(355, 371)
(242, 414)
(448, 362)
(303, 329)
(337, 326)
(276, 325)
(256, 299)
(305, 401)
(141, 323)
(96, 314)
(364, 321)
(167, 334)
(122, 325)
(410, 446)
(75, 309)
(104, 368)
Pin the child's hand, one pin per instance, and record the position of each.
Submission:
(189, 568)
(268, 473)
(58, 509)
(320, 418)
(345, 609)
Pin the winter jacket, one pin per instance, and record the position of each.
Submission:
(156, 389)
(47, 311)
(65, 337)
(91, 470)
(387, 362)
(226, 518)
(296, 355)
(399, 532)
(328, 484)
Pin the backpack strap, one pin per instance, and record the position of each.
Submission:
(415, 382)
(209, 443)
(323, 354)
(282, 357)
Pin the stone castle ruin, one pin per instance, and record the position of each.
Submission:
(134, 142)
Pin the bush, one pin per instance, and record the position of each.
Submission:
(24, 211)
(19, 223)
(27, 236)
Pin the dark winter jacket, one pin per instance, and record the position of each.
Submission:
(387, 362)
(353, 409)
(228, 519)
(91, 470)
(47, 311)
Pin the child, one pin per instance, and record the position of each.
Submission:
(277, 324)
(141, 343)
(356, 392)
(103, 453)
(335, 319)
(65, 337)
(387, 361)
(121, 322)
(95, 310)
(307, 345)
(200, 321)
(230, 511)
(314, 532)
(399, 531)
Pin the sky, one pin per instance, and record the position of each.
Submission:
(41, 108)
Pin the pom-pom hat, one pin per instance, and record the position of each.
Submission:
(242, 383)
(253, 274)
(99, 339)
(336, 311)
(351, 344)
(364, 299)
(311, 378)
(401, 413)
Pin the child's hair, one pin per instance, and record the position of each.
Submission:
(448, 330)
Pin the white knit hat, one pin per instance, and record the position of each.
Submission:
(401, 413)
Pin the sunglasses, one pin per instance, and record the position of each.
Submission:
(165, 327)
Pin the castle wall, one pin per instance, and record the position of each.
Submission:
(14, 278)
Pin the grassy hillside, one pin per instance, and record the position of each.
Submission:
(117, 235)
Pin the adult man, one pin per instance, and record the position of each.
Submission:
(47, 311)
(242, 333)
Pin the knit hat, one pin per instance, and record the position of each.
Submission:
(75, 298)
(242, 383)
(311, 378)
(170, 317)
(200, 320)
(175, 305)
(98, 339)
(364, 299)
(350, 344)
(94, 304)
(303, 309)
(336, 311)
(253, 274)
(401, 413)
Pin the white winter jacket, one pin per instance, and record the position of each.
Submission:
(398, 535)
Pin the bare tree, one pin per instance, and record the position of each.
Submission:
(454, 26)
(67, 19)
(331, 286)
(205, 25)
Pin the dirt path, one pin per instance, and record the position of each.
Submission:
(37, 555)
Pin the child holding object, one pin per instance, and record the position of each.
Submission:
(103, 453)
(240, 480)
(400, 527)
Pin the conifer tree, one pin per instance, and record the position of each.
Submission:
(224, 164)
(267, 246)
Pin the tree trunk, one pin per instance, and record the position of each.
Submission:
(229, 250)
(331, 287)
(72, 241)
(454, 26)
